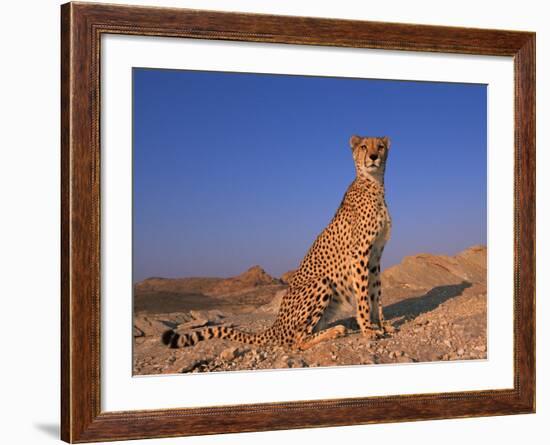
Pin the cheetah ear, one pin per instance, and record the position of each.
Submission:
(354, 140)
(387, 142)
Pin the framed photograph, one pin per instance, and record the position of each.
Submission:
(274, 222)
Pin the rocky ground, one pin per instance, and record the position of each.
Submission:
(436, 306)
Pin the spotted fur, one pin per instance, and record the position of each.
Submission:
(343, 264)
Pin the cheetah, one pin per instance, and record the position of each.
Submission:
(342, 265)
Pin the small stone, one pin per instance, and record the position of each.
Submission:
(460, 351)
(282, 362)
(215, 314)
(192, 366)
(196, 314)
(297, 363)
(230, 353)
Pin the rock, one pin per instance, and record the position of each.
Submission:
(281, 362)
(460, 351)
(151, 327)
(290, 362)
(193, 324)
(297, 363)
(230, 353)
(215, 315)
(194, 366)
(197, 315)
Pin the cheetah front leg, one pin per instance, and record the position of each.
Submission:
(360, 283)
(375, 288)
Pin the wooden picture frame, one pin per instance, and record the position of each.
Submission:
(82, 26)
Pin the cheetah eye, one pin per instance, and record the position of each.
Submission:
(380, 146)
(363, 147)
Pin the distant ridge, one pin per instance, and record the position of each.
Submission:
(251, 278)
(416, 271)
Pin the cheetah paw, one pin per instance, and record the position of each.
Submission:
(338, 331)
(369, 333)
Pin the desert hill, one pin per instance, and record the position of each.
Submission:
(253, 277)
(161, 295)
(425, 270)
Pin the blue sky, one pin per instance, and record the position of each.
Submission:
(233, 170)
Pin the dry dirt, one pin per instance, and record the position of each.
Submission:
(436, 304)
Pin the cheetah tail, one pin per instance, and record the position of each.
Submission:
(174, 340)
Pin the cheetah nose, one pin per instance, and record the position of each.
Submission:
(374, 157)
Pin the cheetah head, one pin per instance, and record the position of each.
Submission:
(369, 155)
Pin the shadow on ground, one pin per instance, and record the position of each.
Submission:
(411, 308)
